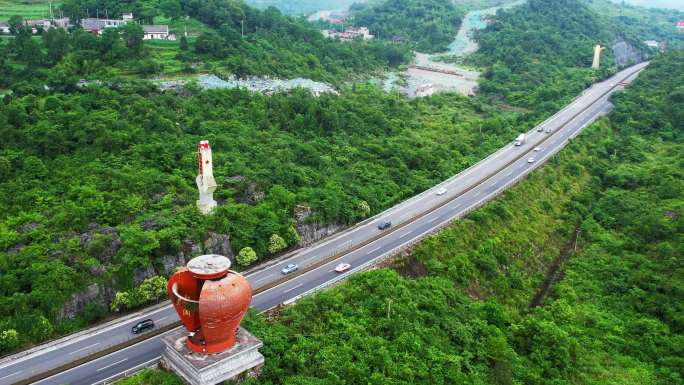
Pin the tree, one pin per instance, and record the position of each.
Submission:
(276, 243)
(292, 235)
(16, 25)
(122, 300)
(151, 289)
(246, 256)
(9, 340)
(171, 8)
(133, 34)
(184, 43)
(56, 41)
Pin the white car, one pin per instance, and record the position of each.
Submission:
(530, 159)
(441, 191)
(342, 267)
(537, 149)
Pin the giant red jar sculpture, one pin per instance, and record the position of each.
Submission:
(211, 300)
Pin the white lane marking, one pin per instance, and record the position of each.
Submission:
(432, 220)
(12, 374)
(84, 348)
(509, 173)
(493, 184)
(477, 193)
(293, 287)
(262, 279)
(455, 207)
(374, 250)
(405, 234)
(164, 317)
(110, 365)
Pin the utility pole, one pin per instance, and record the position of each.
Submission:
(243, 27)
(389, 307)
(579, 231)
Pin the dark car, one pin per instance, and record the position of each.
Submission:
(142, 326)
(384, 225)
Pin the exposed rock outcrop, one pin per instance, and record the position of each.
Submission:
(140, 274)
(248, 192)
(218, 244)
(310, 230)
(101, 242)
(625, 53)
(92, 294)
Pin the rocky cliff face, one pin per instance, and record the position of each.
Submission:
(310, 230)
(625, 53)
(94, 293)
(104, 242)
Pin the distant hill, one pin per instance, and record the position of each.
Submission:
(674, 4)
(302, 7)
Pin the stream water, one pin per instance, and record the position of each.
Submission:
(416, 82)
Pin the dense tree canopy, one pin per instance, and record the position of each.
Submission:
(540, 53)
(430, 25)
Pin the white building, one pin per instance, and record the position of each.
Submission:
(349, 34)
(157, 32)
(97, 25)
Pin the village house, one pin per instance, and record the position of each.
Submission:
(4, 28)
(348, 34)
(157, 32)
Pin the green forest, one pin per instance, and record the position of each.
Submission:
(272, 44)
(574, 276)
(125, 158)
(97, 180)
(429, 25)
(539, 54)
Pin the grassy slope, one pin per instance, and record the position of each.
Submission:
(29, 9)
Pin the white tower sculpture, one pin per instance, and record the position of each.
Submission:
(597, 57)
(205, 180)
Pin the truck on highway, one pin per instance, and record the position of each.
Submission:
(520, 140)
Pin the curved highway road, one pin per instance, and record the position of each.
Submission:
(412, 219)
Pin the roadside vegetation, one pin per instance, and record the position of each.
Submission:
(97, 177)
(574, 276)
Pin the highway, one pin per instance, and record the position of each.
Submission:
(412, 219)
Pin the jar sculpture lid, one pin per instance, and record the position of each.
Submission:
(211, 266)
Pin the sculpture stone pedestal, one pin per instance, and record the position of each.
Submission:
(211, 369)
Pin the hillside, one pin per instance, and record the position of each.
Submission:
(270, 44)
(601, 223)
(539, 54)
(428, 25)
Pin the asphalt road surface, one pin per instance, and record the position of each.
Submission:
(411, 219)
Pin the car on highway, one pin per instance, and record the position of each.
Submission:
(142, 326)
(537, 149)
(290, 268)
(342, 267)
(540, 128)
(530, 159)
(441, 191)
(384, 225)
(547, 130)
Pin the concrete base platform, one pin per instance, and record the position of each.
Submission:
(211, 369)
